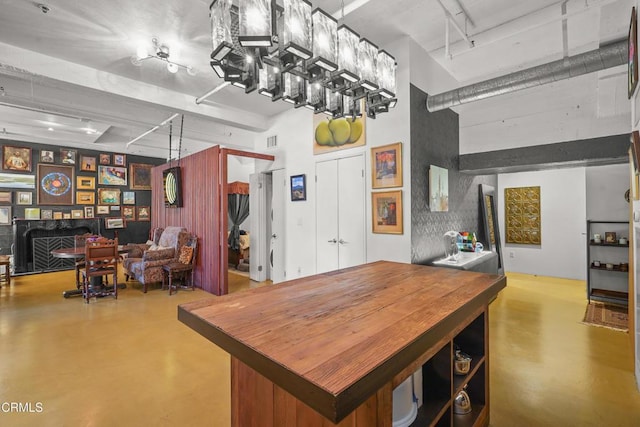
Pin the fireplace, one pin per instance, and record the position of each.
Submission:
(25, 231)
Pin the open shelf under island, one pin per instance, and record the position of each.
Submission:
(330, 349)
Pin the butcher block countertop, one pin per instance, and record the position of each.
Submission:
(332, 340)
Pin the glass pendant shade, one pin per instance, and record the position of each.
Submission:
(220, 17)
(325, 40)
(348, 42)
(367, 64)
(333, 103)
(256, 23)
(268, 81)
(315, 96)
(293, 88)
(351, 107)
(387, 74)
(297, 28)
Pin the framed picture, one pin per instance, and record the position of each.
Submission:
(108, 196)
(14, 180)
(24, 198)
(6, 197)
(338, 134)
(128, 197)
(68, 157)
(88, 163)
(16, 158)
(111, 223)
(46, 156)
(46, 214)
(140, 176)
(85, 197)
(103, 210)
(114, 208)
(66, 215)
(86, 182)
(438, 189)
(77, 213)
(143, 213)
(112, 175)
(172, 186)
(89, 212)
(298, 188)
(120, 159)
(610, 237)
(386, 166)
(105, 159)
(57, 215)
(55, 184)
(32, 213)
(387, 212)
(5, 215)
(632, 68)
(129, 213)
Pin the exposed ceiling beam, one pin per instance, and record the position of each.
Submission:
(351, 7)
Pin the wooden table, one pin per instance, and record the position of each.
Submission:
(331, 348)
(176, 269)
(78, 253)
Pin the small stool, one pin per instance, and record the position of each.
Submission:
(177, 269)
(6, 262)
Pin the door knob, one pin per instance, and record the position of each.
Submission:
(342, 242)
(273, 236)
(332, 241)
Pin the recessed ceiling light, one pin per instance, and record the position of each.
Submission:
(50, 129)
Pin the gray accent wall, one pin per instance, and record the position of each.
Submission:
(435, 141)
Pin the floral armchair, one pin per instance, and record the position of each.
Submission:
(144, 262)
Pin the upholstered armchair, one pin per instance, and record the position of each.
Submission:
(144, 262)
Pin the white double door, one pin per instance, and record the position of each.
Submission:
(340, 214)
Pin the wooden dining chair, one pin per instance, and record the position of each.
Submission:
(80, 241)
(101, 259)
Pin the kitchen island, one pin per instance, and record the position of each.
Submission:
(330, 348)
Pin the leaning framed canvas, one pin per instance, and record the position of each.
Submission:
(632, 58)
(386, 166)
(55, 184)
(140, 176)
(16, 158)
(386, 209)
(298, 188)
(112, 175)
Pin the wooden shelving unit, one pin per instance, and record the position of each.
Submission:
(605, 284)
(441, 385)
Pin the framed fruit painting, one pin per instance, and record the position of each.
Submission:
(331, 134)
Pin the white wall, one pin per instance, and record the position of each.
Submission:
(563, 209)
(239, 169)
(606, 186)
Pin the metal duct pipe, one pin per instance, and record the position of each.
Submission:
(607, 56)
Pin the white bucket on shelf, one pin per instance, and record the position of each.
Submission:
(405, 408)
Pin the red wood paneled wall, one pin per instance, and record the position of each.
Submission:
(201, 203)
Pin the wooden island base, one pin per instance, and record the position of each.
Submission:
(329, 350)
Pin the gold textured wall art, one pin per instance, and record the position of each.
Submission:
(522, 215)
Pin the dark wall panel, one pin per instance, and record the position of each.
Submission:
(435, 141)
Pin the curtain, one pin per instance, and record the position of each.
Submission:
(238, 212)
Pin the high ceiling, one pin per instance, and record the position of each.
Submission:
(70, 69)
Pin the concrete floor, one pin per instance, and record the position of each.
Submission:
(129, 362)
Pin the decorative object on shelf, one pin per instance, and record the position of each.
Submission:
(114, 223)
(108, 196)
(85, 198)
(120, 159)
(143, 213)
(597, 238)
(14, 180)
(129, 213)
(610, 237)
(438, 189)
(609, 266)
(16, 158)
(87, 163)
(172, 184)
(77, 213)
(298, 188)
(24, 198)
(522, 215)
(46, 156)
(632, 68)
(596, 263)
(32, 213)
(332, 134)
(5, 215)
(624, 266)
(112, 175)
(387, 212)
(66, 215)
(89, 212)
(160, 52)
(105, 159)
(57, 215)
(462, 403)
(140, 176)
(301, 56)
(386, 166)
(103, 210)
(46, 214)
(6, 197)
(85, 182)
(68, 157)
(622, 241)
(55, 184)
(450, 241)
(128, 198)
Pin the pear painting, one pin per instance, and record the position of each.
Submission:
(337, 134)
